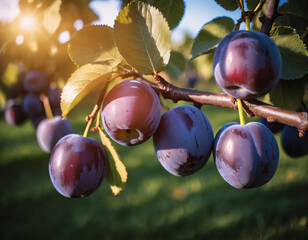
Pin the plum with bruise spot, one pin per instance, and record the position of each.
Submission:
(247, 156)
(183, 140)
(77, 166)
(247, 64)
(131, 112)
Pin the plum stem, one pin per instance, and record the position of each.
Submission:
(47, 107)
(91, 116)
(240, 111)
(247, 21)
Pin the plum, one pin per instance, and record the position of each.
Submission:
(218, 134)
(50, 131)
(247, 64)
(183, 140)
(54, 96)
(292, 144)
(247, 156)
(275, 127)
(77, 165)
(14, 115)
(35, 82)
(131, 112)
(32, 105)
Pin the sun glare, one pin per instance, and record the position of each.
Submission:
(27, 23)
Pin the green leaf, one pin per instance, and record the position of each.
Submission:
(293, 53)
(176, 65)
(210, 35)
(251, 4)
(52, 17)
(82, 81)
(94, 44)
(143, 37)
(173, 10)
(116, 175)
(289, 94)
(229, 5)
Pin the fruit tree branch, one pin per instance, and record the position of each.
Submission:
(252, 107)
(269, 17)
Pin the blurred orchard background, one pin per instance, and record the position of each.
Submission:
(154, 204)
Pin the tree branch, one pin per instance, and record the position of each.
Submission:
(252, 107)
(269, 17)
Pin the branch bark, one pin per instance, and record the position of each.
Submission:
(252, 107)
(269, 17)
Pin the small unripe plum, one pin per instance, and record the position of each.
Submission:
(275, 127)
(50, 131)
(77, 165)
(131, 112)
(292, 144)
(247, 64)
(32, 105)
(35, 82)
(247, 156)
(14, 115)
(218, 134)
(183, 140)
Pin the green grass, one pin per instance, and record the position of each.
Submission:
(154, 204)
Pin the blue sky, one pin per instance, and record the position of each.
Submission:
(197, 13)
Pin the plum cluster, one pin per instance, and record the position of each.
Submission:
(246, 65)
(25, 101)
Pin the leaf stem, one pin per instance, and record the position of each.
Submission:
(240, 111)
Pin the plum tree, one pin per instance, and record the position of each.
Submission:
(77, 165)
(247, 64)
(247, 156)
(14, 115)
(50, 131)
(35, 82)
(131, 112)
(183, 140)
(292, 144)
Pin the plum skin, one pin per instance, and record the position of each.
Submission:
(14, 115)
(247, 156)
(131, 112)
(292, 144)
(50, 131)
(218, 134)
(247, 64)
(183, 140)
(77, 166)
(35, 82)
(275, 127)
